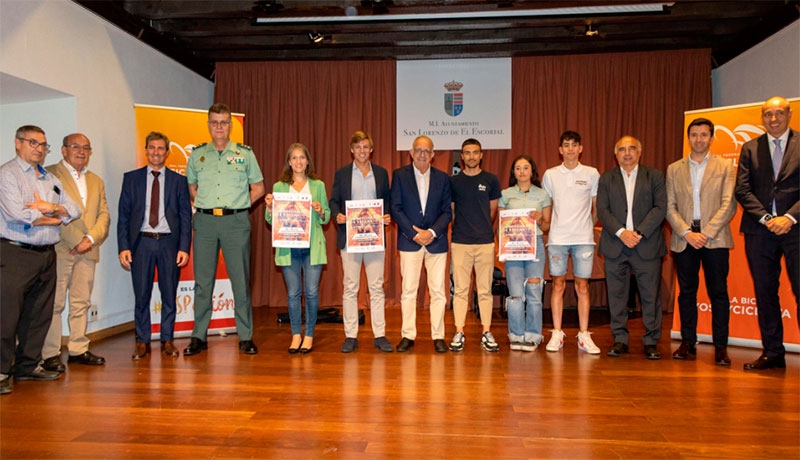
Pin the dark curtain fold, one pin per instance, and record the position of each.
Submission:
(320, 104)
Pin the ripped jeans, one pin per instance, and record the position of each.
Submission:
(524, 301)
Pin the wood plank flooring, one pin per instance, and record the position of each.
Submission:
(372, 405)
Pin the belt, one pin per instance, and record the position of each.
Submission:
(32, 247)
(221, 211)
(155, 236)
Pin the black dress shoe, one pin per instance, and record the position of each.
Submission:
(88, 358)
(350, 345)
(248, 347)
(382, 344)
(38, 374)
(721, 356)
(765, 362)
(439, 346)
(651, 352)
(195, 346)
(617, 350)
(685, 351)
(405, 345)
(54, 364)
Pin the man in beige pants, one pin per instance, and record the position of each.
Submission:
(77, 252)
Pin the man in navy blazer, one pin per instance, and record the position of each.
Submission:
(361, 180)
(422, 237)
(768, 188)
(632, 204)
(154, 231)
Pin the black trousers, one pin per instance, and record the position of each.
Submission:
(28, 286)
(764, 251)
(715, 268)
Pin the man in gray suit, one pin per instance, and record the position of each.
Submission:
(700, 207)
(631, 204)
(768, 187)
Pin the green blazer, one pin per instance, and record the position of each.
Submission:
(319, 255)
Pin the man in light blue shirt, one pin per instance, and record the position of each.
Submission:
(32, 207)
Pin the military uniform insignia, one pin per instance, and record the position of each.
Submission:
(202, 158)
(244, 146)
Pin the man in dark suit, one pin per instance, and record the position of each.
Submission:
(361, 180)
(154, 231)
(768, 187)
(421, 207)
(631, 205)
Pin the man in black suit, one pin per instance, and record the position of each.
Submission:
(768, 187)
(361, 180)
(154, 231)
(631, 205)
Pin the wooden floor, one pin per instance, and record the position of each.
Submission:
(372, 405)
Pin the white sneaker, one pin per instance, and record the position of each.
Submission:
(556, 340)
(516, 346)
(528, 346)
(488, 343)
(586, 343)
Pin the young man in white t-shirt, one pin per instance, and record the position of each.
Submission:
(573, 188)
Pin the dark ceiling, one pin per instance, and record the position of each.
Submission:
(200, 33)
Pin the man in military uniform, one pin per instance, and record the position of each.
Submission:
(224, 181)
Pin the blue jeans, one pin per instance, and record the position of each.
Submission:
(301, 264)
(524, 302)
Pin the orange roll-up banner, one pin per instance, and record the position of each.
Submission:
(733, 126)
(186, 129)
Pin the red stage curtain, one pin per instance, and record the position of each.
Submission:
(320, 104)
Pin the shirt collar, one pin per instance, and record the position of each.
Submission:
(71, 169)
(567, 170)
(705, 160)
(783, 137)
(417, 171)
(634, 171)
(25, 166)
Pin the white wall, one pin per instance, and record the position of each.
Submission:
(771, 68)
(59, 45)
(53, 115)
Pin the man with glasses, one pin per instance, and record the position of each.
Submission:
(78, 252)
(224, 181)
(421, 208)
(32, 207)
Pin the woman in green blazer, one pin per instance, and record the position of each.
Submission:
(299, 176)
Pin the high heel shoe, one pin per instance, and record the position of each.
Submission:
(294, 349)
(307, 349)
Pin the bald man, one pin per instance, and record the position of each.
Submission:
(768, 187)
(631, 204)
(78, 253)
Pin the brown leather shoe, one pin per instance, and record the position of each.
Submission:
(168, 348)
(141, 351)
(721, 356)
(685, 351)
(765, 362)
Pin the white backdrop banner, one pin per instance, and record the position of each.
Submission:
(453, 100)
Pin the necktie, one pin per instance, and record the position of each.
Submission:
(777, 157)
(155, 194)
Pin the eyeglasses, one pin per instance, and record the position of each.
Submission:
(217, 124)
(35, 144)
(424, 152)
(85, 148)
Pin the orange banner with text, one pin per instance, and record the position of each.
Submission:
(733, 126)
(186, 129)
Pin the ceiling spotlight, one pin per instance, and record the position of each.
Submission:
(267, 6)
(378, 6)
(315, 37)
(590, 32)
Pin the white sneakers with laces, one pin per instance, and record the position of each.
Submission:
(556, 340)
(586, 343)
